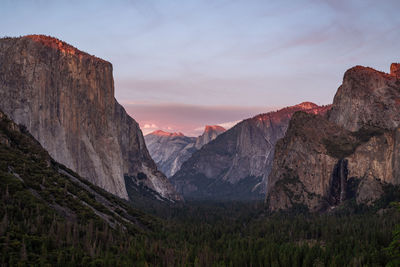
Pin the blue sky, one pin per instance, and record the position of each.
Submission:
(181, 64)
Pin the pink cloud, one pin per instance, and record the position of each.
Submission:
(188, 119)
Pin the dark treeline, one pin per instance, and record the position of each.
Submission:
(49, 218)
(198, 235)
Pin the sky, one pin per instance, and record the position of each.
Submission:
(179, 65)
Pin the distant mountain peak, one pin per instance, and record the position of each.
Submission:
(170, 150)
(282, 113)
(307, 105)
(236, 164)
(164, 133)
(216, 128)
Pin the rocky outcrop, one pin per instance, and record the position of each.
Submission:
(303, 165)
(65, 98)
(367, 98)
(170, 150)
(358, 141)
(369, 190)
(210, 133)
(237, 163)
(395, 69)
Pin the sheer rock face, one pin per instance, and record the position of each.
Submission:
(368, 97)
(378, 158)
(210, 133)
(395, 69)
(369, 191)
(361, 130)
(237, 163)
(170, 150)
(65, 98)
(302, 167)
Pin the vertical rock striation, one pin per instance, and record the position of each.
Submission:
(65, 98)
(237, 163)
(367, 97)
(358, 140)
(210, 133)
(395, 69)
(170, 150)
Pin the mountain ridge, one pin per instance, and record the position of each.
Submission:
(239, 157)
(170, 150)
(164, 133)
(350, 154)
(65, 98)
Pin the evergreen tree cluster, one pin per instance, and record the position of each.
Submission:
(49, 216)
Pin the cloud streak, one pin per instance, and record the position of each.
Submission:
(189, 119)
(196, 56)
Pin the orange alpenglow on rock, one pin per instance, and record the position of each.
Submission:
(209, 128)
(66, 100)
(59, 45)
(307, 105)
(163, 133)
(395, 69)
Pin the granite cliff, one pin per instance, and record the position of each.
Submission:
(237, 163)
(210, 133)
(367, 97)
(353, 152)
(35, 181)
(170, 150)
(65, 98)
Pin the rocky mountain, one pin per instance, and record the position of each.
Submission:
(352, 153)
(237, 163)
(170, 150)
(367, 97)
(47, 208)
(65, 98)
(210, 133)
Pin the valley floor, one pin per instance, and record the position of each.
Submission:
(49, 216)
(244, 234)
(202, 234)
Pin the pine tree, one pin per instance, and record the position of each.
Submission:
(394, 247)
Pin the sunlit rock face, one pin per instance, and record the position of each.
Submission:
(395, 69)
(170, 150)
(210, 133)
(237, 163)
(367, 97)
(65, 98)
(361, 129)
